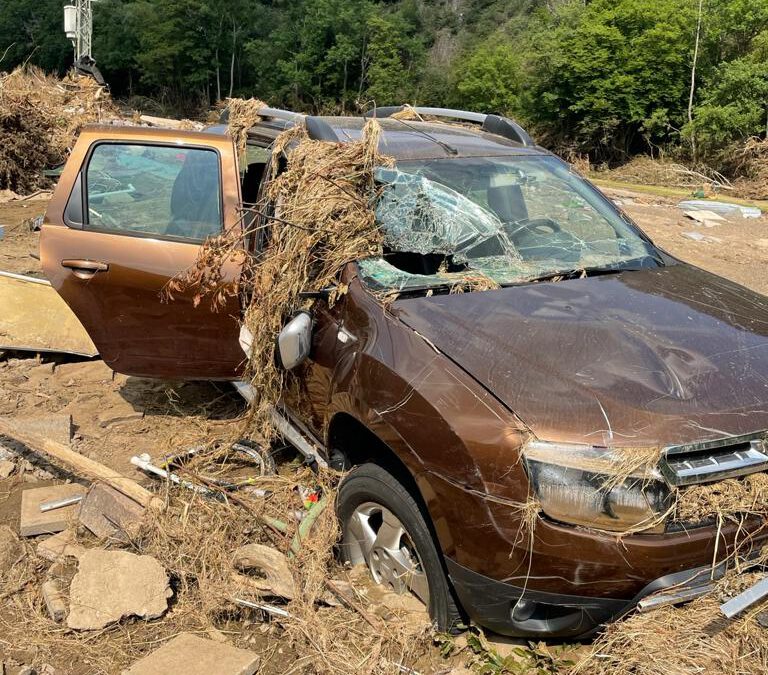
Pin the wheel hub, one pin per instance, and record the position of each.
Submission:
(376, 537)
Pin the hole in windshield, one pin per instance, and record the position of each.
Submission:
(503, 219)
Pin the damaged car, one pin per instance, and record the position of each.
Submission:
(515, 454)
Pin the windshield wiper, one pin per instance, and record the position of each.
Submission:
(448, 148)
(577, 272)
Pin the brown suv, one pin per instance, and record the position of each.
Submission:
(455, 411)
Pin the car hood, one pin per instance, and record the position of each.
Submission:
(652, 357)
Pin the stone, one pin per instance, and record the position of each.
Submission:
(11, 549)
(110, 585)
(7, 467)
(194, 655)
(109, 514)
(33, 521)
(63, 570)
(60, 546)
(55, 599)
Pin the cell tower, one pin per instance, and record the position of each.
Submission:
(78, 26)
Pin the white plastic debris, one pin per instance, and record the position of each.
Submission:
(723, 208)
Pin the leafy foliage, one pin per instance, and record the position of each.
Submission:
(605, 77)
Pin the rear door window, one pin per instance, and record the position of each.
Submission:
(151, 190)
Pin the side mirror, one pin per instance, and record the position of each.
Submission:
(295, 341)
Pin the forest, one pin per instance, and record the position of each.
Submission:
(604, 78)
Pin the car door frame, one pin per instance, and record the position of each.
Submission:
(57, 231)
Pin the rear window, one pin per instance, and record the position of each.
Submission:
(154, 191)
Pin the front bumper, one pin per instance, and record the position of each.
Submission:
(519, 612)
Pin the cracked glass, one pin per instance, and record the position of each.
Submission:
(510, 219)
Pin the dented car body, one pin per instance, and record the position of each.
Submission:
(593, 345)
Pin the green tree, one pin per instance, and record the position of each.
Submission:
(394, 56)
(492, 79)
(600, 74)
(33, 31)
(734, 105)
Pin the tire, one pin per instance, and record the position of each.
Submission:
(368, 498)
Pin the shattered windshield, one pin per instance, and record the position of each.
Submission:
(507, 219)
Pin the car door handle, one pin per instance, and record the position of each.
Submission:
(85, 269)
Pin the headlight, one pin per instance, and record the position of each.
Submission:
(598, 487)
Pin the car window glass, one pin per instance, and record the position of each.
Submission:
(509, 219)
(154, 190)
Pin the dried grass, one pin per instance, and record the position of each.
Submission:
(691, 640)
(750, 163)
(194, 538)
(730, 499)
(243, 114)
(323, 220)
(40, 117)
(648, 171)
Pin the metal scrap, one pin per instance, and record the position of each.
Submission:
(50, 327)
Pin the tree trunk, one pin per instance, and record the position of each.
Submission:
(218, 76)
(693, 81)
(232, 62)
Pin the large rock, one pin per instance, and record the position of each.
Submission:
(192, 655)
(110, 585)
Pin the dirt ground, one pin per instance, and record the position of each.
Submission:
(115, 417)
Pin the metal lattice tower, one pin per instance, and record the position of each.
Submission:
(78, 25)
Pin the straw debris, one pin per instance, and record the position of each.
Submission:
(688, 640)
(40, 117)
(323, 219)
(729, 499)
(243, 114)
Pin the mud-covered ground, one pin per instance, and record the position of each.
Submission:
(115, 417)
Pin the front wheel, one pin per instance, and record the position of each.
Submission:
(383, 528)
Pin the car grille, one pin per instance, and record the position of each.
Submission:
(714, 460)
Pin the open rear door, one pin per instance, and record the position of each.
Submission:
(130, 212)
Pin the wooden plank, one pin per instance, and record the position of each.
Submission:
(79, 464)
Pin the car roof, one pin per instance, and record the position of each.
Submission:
(412, 139)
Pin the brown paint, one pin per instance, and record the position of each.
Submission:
(135, 331)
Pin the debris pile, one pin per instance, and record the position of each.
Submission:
(40, 116)
(695, 638)
(750, 163)
(324, 218)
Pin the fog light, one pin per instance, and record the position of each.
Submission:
(523, 610)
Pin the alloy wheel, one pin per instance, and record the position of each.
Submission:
(376, 537)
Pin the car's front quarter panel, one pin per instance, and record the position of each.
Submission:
(463, 448)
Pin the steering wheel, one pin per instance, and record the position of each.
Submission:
(535, 226)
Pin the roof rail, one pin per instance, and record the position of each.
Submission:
(317, 128)
(493, 124)
(279, 114)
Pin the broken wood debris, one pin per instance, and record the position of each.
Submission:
(81, 465)
(33, 521)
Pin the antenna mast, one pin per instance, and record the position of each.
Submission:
(78, 25)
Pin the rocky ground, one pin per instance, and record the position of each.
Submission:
(110, 418)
